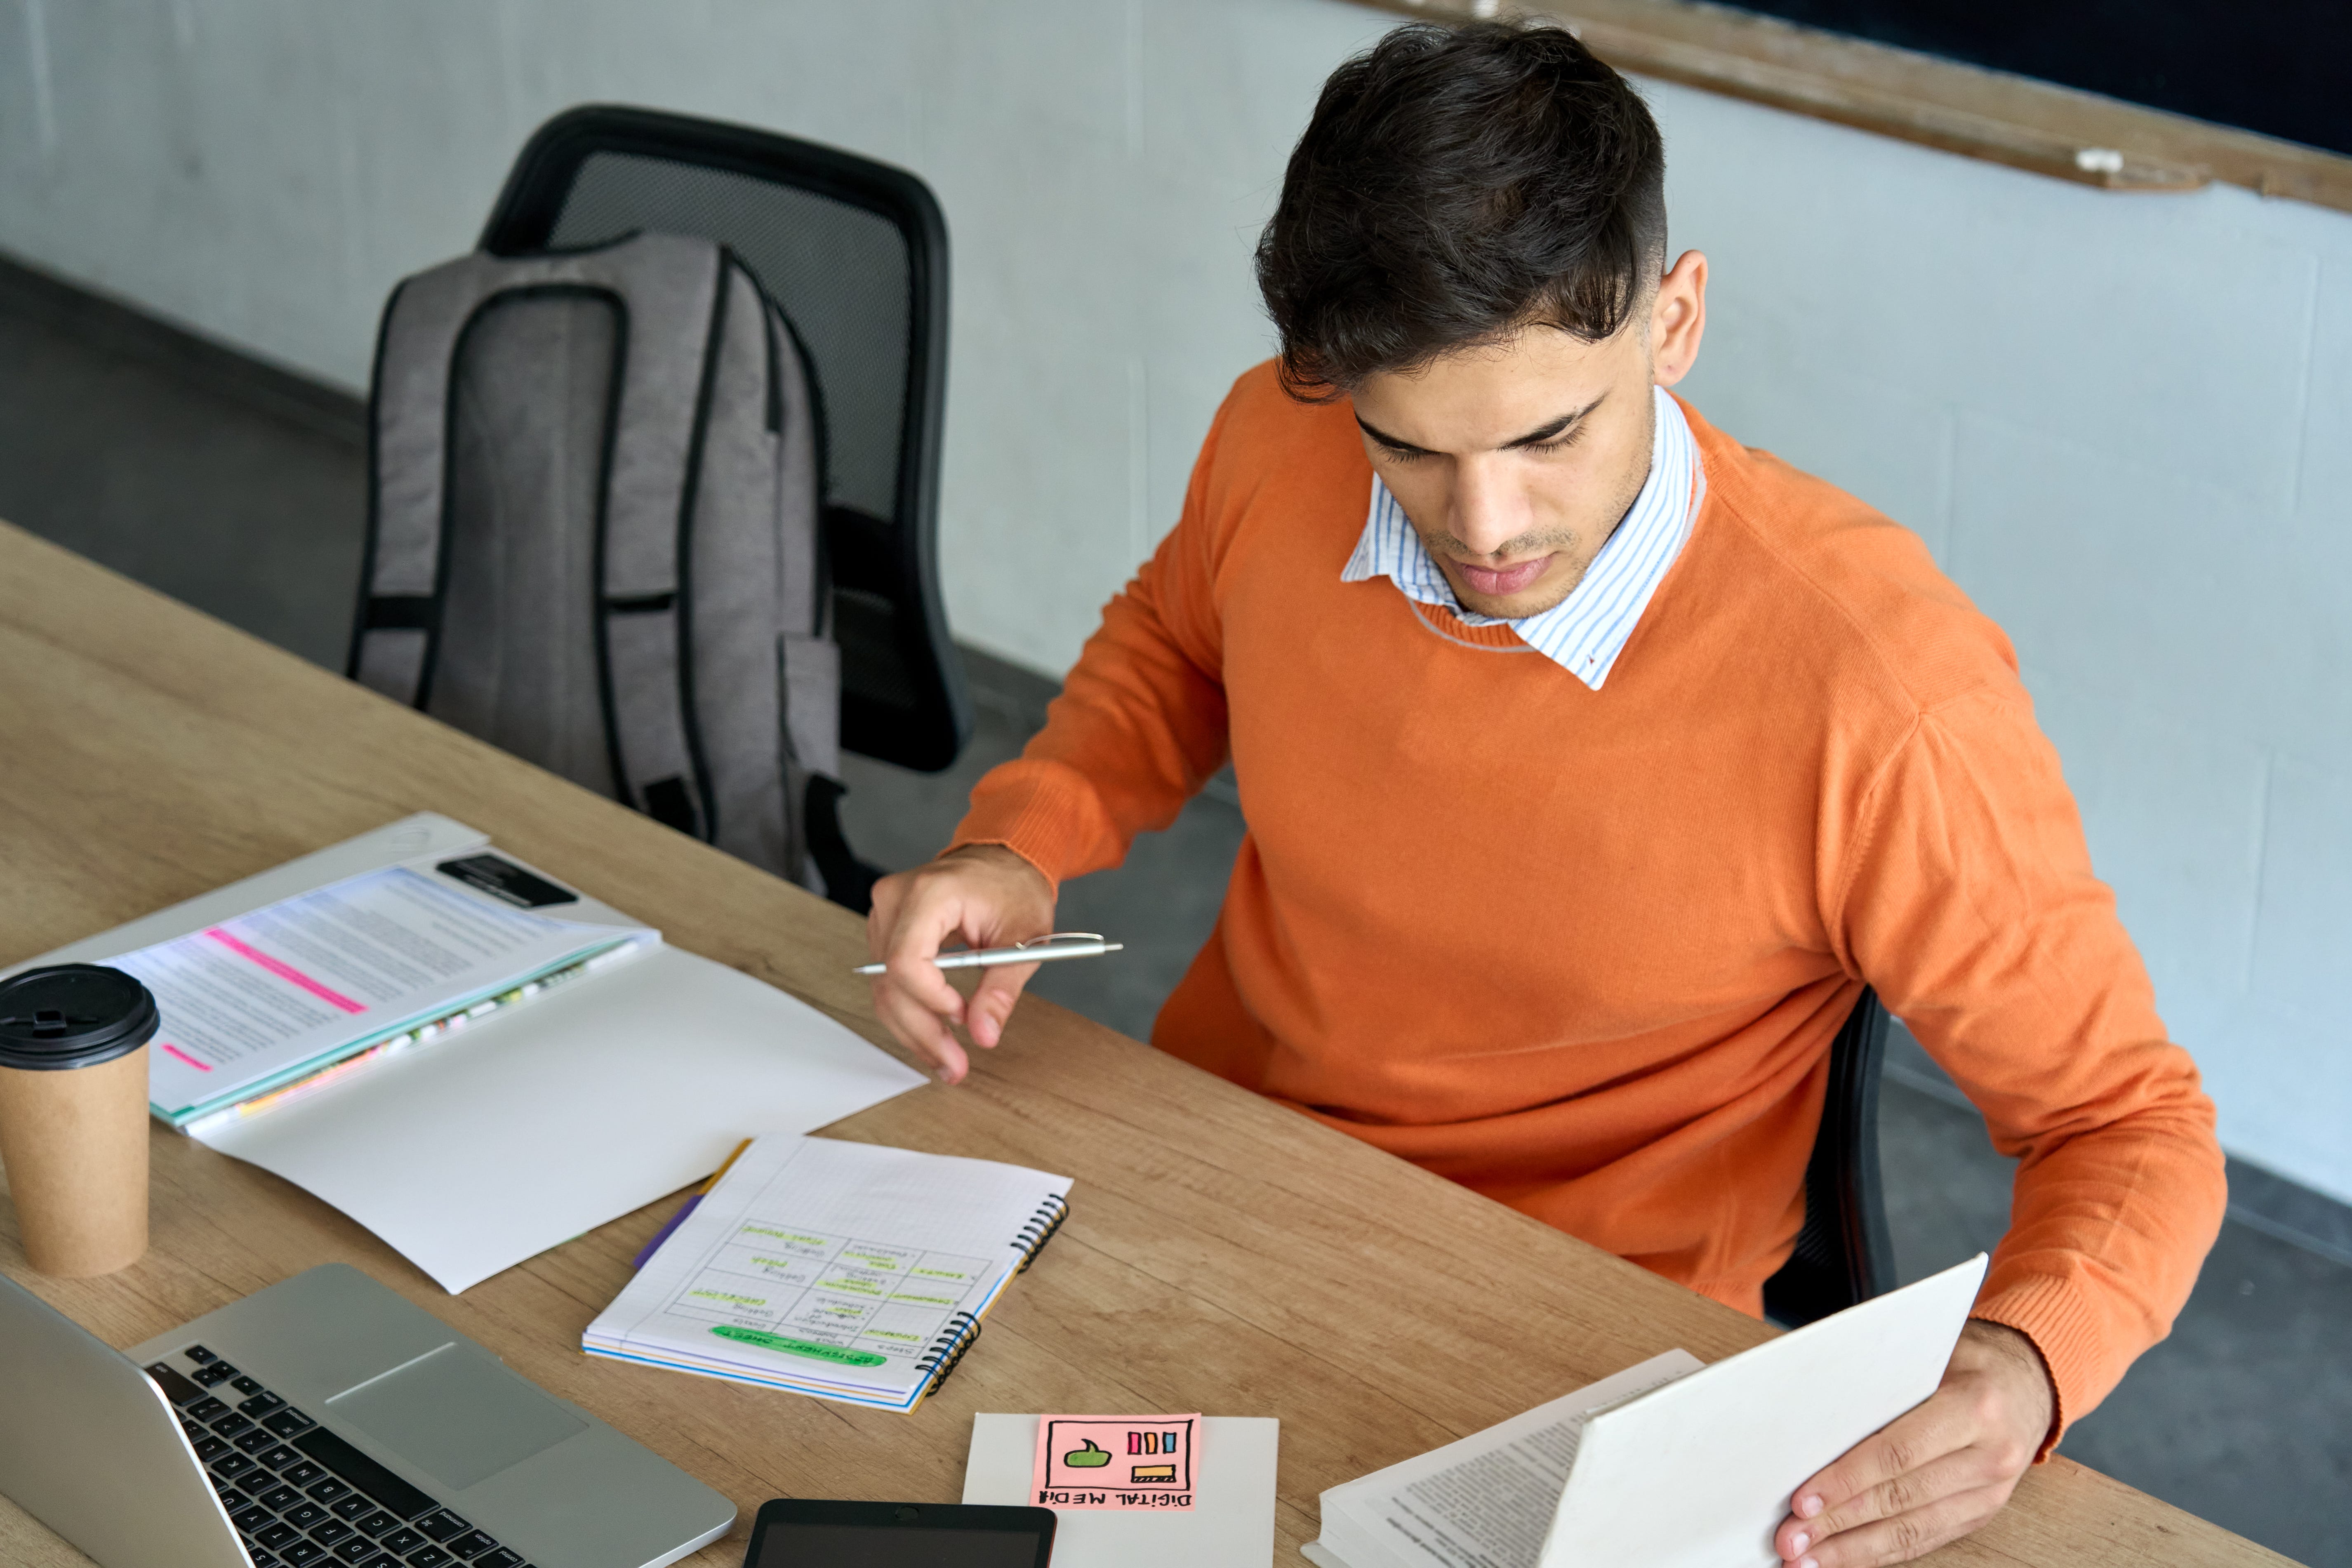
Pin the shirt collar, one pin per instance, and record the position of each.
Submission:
(1584, 633)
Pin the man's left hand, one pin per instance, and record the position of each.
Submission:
(1935, 1473)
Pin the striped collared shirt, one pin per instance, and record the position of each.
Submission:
(1584, 633)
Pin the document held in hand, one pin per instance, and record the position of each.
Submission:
(1670, 1464)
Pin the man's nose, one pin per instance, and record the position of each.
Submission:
(1488, 511)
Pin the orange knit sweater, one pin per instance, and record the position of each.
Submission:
(1585, 951)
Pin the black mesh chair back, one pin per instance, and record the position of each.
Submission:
(855, 252)
(1843, 1255)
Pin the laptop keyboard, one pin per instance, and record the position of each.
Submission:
(297, 1494)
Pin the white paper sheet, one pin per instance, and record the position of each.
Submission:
(1231, 1524)
(1718, 1453)
(547, 1121)
(1486, 1500)
(1695, 1472)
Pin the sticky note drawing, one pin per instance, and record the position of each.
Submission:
(1116, 1462)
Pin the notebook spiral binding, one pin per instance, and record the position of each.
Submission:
(947, 1352)
(1041, 1228)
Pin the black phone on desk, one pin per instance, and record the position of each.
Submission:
(809, 1533)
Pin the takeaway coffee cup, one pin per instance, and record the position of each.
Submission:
(73, 1115)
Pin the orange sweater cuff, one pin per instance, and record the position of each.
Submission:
(1040, 810)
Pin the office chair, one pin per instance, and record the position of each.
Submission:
(856, 253)
(1845, 1255)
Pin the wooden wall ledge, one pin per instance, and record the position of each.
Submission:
(2061, 131)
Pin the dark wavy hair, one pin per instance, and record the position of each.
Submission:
(1456, 185)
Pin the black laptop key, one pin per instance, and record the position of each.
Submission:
(378, 1523)
(207, 1407)
(358, 1549)
(304, 1513)
(194, 1429)
(355, 1505)
(364, 1473)
(327, 1490)
(504, 1557)
(441, 1524)
(200, 1355)
(228, 1466)
(429, 1557)
(260, 1404)
(400, 1542)
(302, 1553)
(280, 1458)
(176, 1389)
(280, 1498)
(303, 1472)
(473, 1543)
(210, 1449)
(287, 1422)
(251, 1518)
(255, 1441)
(329, 1531)
(263, 1558)
(213, 1376)
(277, 1535)
(247, 1384)
(233, 1499)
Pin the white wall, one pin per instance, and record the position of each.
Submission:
(2123, 422)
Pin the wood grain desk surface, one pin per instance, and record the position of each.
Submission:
(1222, 1254)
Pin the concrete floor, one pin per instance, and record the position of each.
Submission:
(241, 494)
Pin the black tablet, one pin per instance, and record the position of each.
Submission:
(802, 1532)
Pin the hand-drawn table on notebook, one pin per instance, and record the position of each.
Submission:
(1217, 1244)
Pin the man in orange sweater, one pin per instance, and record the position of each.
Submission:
(1592, 764)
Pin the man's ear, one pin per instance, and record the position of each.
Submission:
(1678, 319)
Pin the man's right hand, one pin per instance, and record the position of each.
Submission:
(983, 893)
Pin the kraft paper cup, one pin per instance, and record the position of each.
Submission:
(73, 1115)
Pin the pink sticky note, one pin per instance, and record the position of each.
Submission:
(1116, 1462)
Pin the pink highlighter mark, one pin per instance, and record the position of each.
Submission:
(285, 972)
(175, 1050)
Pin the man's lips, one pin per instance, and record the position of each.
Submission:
(1501, 583)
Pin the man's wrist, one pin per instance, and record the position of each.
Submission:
(2016, 1347)
(1004, 857)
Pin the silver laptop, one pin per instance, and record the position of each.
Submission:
(324, 1421)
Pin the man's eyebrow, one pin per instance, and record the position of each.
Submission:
(1557, 428)
(1535, 437)
(1393, 443)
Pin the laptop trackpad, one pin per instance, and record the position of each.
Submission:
(456, 1413)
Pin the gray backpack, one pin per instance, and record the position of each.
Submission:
(594, 533)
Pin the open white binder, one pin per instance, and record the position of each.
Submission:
(547, 1119)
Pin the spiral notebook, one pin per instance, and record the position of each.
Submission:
(843, 1271)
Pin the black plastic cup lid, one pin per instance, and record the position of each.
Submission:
(73, 1015)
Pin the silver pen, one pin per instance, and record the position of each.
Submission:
(1036, 950)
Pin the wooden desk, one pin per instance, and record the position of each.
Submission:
(1222, 1254)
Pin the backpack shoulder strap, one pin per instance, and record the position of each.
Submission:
(672, 305)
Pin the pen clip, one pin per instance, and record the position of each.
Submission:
(1053, 937)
